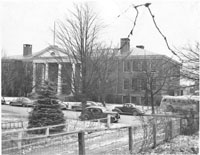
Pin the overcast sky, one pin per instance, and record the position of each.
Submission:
(31, 22)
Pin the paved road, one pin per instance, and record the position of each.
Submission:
(12, 113)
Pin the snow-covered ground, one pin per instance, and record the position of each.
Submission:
(178, 146)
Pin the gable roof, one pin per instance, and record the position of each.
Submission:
(52, 48)
(143, 53)
(50, 52)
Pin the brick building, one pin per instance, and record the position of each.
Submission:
(50, 63)
(139, 69)
(137, 73)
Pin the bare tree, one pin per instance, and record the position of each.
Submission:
(104, 63)
(78, 36)
(16, 78)
(160, 75)
(190, 59)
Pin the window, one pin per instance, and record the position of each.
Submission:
(126, 105)
(127, 66)
(26, 100)
(154, 65)
(126, 83)
(139, 83)
(96, 111)
(133, 99)
(181, 92)
(144, 65)
(137, 65)
(165, 100)
(134, 84)
(126, 99)
(143, 84)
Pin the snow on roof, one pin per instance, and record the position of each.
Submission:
(143, 52)
(29, 57)
(16, 57)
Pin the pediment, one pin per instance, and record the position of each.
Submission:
(52, 53)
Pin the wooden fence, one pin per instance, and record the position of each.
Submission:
(119, 140)
(13, 125)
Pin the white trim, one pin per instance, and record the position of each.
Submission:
(34, 78)
(124, 81)
(59, 84)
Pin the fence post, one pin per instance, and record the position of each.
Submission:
(19, 143)
(108, 121)
(130, 133)
(22, 125)
(47, 134)
(47, 131)
(170, 129)
(81, 143)
(154, 132)
(181, 124)
(167, 131)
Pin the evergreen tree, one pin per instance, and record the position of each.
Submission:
(47, 111)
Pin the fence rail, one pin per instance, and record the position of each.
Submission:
(95, 140)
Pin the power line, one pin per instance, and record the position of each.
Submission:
(119, 15)
(155, 24)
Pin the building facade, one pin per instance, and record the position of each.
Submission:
(49, 64)
(137, 73)
(141, 72)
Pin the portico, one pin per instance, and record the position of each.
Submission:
(53, 64)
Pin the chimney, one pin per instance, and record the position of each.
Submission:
(124, 45)
(140, 46)
(27, 50)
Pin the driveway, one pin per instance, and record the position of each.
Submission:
(13, 113)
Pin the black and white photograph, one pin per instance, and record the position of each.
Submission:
(91, 77)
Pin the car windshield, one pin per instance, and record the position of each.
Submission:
(91, 103)
(18, 99)
(129, 105)
(105, 109)
(26, 99)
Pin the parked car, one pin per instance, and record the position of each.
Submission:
(23, 101)
(78, 107)
(3, 100)
(128, 109)
(97, 112)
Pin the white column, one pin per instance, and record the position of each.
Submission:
(139, 100)
(59, 84)
(34, 78)
(43, 73)
(73, 78)
(46, 76)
